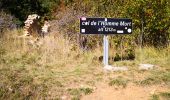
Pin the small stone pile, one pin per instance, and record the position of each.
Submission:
(29, 22)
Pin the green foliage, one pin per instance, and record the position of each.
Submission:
(7, 21)
(151, 17)
(22, 8)
(124, 46)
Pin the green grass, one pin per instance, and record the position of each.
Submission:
(155, 97)
(156, 78)
(161, 96)
(165, 95)
(159, 57)
(78, 92)
(20, 85)
(120, 82)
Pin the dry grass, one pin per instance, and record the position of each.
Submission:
(52, 66)
(160, 57)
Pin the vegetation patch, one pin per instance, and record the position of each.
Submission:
(20, 86)
(161, 96)
(78, 92)
(118, 82)
(156, 78)
(42, 68)
(155, 97)
(165, 95)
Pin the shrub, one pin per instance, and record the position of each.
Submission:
(118, 82)
(7, 21)
(152, 18)
(22, 8)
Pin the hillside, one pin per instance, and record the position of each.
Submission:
(66, 65)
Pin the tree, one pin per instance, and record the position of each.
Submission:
(22, 8)
(151, 17)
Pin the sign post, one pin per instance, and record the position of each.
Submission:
(105, 26)
(106, 50)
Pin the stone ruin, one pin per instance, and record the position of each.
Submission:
(34, 30)
(33, 27)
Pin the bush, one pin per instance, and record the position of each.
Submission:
(118, 82)
(152, 18)
(22, 8)
(7, 21)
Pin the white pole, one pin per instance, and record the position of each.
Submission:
(106, 50)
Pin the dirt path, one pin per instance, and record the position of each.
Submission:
(131, 92)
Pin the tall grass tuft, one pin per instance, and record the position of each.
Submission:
(160, 57)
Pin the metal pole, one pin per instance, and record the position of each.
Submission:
(106, 50)
(104, 44)
(121, 48)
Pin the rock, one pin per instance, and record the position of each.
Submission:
(64, 97)
(46, 26)
(145, 66)
(153, 92)
(108, 67)
(120, 69)
(111, 68)
(10, 89)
